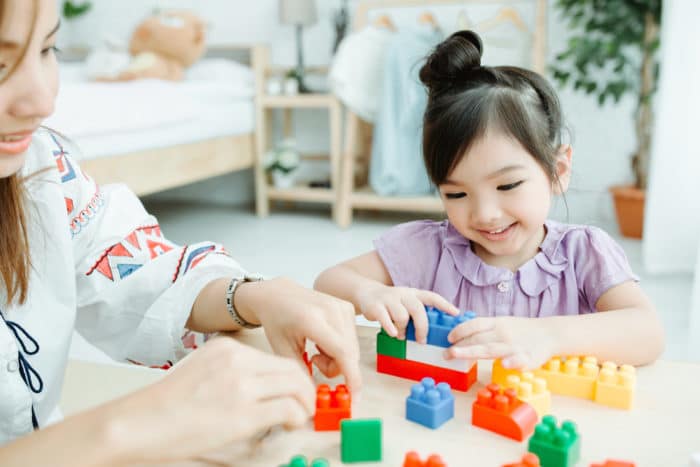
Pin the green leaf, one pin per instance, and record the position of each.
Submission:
(73, 10)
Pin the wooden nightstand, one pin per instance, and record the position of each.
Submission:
(264, 107)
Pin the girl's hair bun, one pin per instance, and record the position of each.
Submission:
(452, 61)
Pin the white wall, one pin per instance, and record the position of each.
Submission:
(603, 136)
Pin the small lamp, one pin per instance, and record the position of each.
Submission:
(299, 13)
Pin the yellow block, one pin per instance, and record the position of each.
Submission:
(533, 391)
(499, 374)
(615, 386)
(574, 377)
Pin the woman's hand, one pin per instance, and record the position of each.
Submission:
(290, 314)
(221, 393)
(394, 306)
(521, 342)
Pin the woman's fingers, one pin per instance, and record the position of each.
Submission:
(380, 313)
(292, 383)
(280, 411)
(326, 365)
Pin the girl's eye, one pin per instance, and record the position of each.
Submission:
(510, 186)
(461, 194)
(50, 49)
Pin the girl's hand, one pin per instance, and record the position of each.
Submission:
(524, 343)
(393, 306)
(223, 392)
(290, 314)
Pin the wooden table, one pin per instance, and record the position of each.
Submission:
(662, 430)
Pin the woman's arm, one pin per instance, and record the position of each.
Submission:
(625, 330)
(220, 393)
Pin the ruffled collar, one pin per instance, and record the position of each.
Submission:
(535, 276)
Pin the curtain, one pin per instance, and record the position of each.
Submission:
(672, 216)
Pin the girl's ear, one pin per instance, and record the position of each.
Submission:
(562, 168)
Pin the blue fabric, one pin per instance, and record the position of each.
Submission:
(396, 166)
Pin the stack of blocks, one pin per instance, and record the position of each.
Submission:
(413, 459)
(429, 404)
(408, 359)
(361, 440)
(502, 412)
(556, 447)
(331, 407)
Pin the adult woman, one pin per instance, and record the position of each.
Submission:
(107, 271)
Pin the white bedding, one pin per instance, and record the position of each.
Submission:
(216, 99)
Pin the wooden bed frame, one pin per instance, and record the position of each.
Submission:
(154, 170)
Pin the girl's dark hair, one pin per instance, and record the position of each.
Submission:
(465, 99)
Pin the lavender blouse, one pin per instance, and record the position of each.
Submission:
(576, 264)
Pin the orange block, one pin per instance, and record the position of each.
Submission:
(500, 374)
(614, 463)
(528, 460)
(532, 390)
(331, 407)
(413, 459)
(615, 386)
(574, 377)
(502, 413)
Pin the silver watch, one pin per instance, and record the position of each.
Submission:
(230, 292)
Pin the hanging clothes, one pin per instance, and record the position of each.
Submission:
(396, 166)
(355, 75)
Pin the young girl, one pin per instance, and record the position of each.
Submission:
(492, 145)
(77, 256)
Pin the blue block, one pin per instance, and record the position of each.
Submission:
(429, 404)
(439, 325)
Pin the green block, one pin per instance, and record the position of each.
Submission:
(300, 461)
(361, 440)
(556, 447)
(387, 345)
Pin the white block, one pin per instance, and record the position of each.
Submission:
(432, 355)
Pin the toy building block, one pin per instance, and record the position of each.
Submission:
(502, 412)
(614, 463)
(615, 386)
(574, 377)
(433, 355)
(429, 404)
(416, 371)
(413, 459)
(556, 447)
(300, 461)
(533, 391)
(439, 326)
(391, 346)
(331, 407)
(500, 374)
(307, 362)
(361, 440)
(528, 460)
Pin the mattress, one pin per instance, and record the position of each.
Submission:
(105, 119)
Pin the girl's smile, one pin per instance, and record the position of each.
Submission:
(15, 143)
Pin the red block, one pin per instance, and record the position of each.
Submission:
(528, 460)
(614, 463)
(503, 413)
(331, 407)
(416, 371)
(413, 459)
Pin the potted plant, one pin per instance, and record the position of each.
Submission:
(282, 162)
(612, 53)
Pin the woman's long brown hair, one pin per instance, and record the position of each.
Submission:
(15, 260)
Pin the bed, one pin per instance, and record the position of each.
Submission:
(154, 135)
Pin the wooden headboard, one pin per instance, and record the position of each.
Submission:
(539, 28)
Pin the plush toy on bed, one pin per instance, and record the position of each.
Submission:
(161, 47)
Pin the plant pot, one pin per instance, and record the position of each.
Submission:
(629, 207)
(283, 180)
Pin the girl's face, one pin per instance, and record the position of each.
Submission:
(27, 94)
(498, 196)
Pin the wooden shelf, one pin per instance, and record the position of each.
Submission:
(365, 198)
(302, 193)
